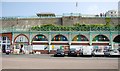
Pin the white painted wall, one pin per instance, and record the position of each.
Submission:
(39, 47)
(77, 47)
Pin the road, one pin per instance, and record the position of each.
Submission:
(47, 62)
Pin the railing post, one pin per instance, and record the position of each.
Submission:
(111, 41)
(69, 36)
(30, 39)
(12, 35)
(90, 36)
(90, 39)
(49, 41)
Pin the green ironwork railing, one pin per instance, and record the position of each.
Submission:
(56, 16)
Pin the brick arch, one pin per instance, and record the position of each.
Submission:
(22, 35)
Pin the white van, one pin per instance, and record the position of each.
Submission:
(86, 50)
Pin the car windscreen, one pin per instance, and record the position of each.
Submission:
(60, 50)
(97, 50)
(72, 49)
(115, 51)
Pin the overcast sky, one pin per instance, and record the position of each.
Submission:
(31, 8)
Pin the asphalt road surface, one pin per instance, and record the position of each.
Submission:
(47, 62)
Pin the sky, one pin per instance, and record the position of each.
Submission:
(31, 8)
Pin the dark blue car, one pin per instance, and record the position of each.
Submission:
(59, 52)
(72, 52)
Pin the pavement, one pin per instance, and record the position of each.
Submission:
(47, 61)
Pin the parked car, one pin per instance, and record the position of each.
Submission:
(59, 52)
(86, 50)
(113, 52)
(98, 52)
(72, 52)
(118, 49)
(80, 51)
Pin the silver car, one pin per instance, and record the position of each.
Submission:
(113, 52)
(98, 52)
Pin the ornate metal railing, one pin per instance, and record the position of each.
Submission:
(56, 16)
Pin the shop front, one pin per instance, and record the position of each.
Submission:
(5, 42)
(79, 41)
(40, 44)
(100, 42)
(21, 44)
(59, 42)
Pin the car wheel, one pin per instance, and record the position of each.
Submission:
(93, 55)
(109, 55)
(81, 54)
(76, 55)
(55, 55)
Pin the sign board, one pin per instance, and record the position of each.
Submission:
(39, 47)
(61, 47)
(53, 47)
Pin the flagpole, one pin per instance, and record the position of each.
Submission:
(76, 7)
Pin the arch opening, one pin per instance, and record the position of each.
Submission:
(21, 38)
(100, 38)
(117, 39)
(40, 37)
(80, 38)
(59, 37)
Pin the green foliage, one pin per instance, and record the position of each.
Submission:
(117, 27)
(75, 27)
(107, 20)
